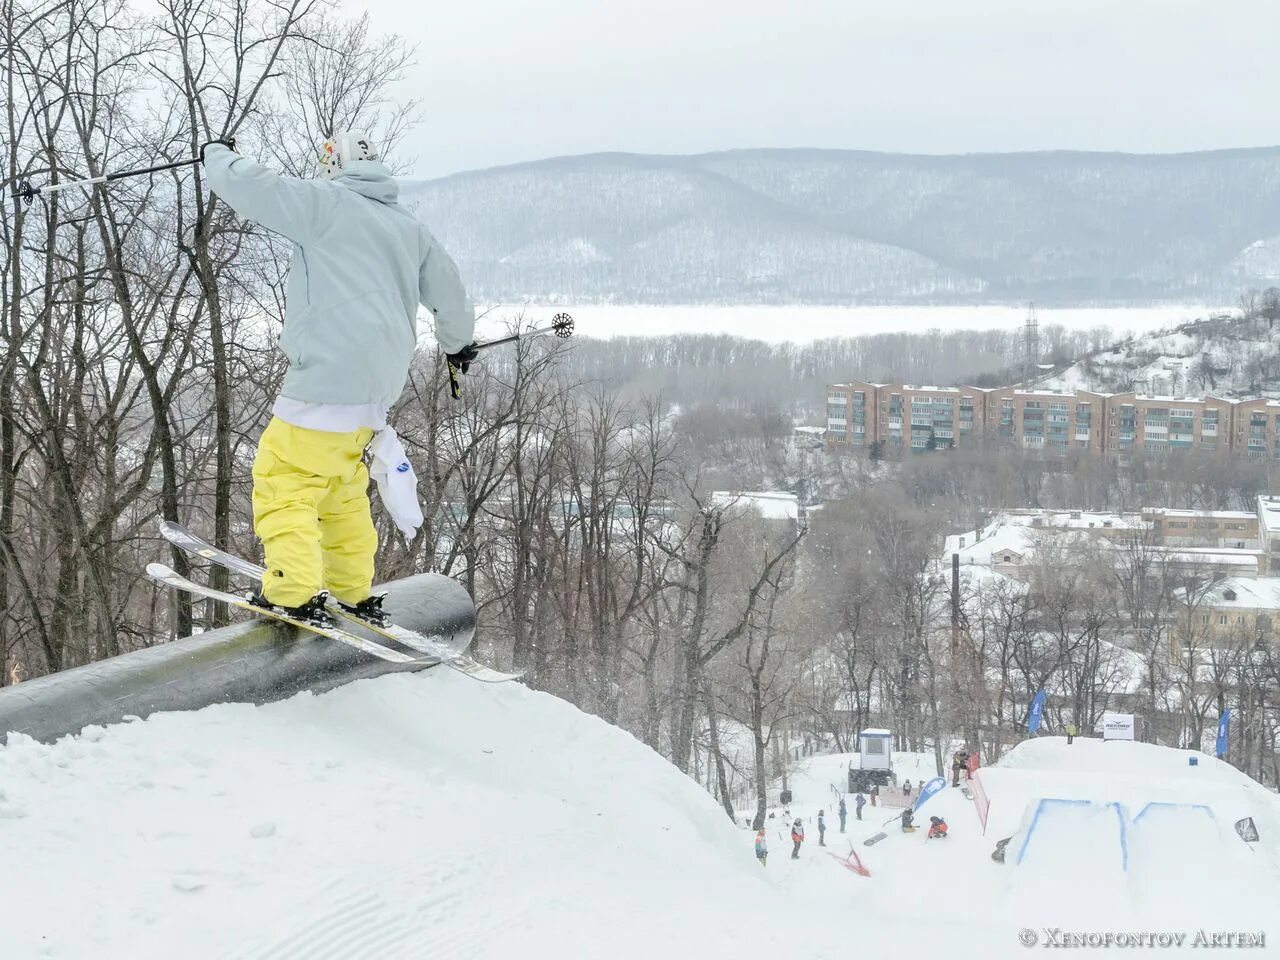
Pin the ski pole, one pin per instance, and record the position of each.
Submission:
(28, 192)
(561, 325)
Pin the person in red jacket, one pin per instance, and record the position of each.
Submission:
(797, 838)
(937, 829)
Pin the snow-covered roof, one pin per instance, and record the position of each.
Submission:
(1056, 394)
(1260, 593)
(1206, 514)
(875, 732)
(1014, 531)
(1219, 557)
(1269, 512)
(816, 431)
(771, 504)
(1166, 398)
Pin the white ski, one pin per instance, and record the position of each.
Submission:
(184, 539)
(163, 574)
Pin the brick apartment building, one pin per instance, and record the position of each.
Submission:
(902, 417)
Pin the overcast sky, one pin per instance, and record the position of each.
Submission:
(512, 80)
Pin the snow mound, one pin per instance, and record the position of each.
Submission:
(416, 815)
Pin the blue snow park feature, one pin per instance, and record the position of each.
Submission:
(928, 790)
(1037, 711)
(1057, 824)
(1224, 731)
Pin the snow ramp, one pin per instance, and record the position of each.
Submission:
(1180, 850)
(1172, 861)
(411, 816)
(1068, 860)
(1058, 835)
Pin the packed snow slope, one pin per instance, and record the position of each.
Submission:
(424, 815)
(412, 816)
(1187, 869)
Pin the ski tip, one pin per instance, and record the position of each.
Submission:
(158, 570)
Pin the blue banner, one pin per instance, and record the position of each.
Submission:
(1037, 710)
(928, 790)
(1224, 728)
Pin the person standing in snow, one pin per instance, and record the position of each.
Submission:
(844, 813)
(797, 838)
(906, 788)
(822, 828)
(361, 266)
(858, 804)
(960, 762)
(762, 847)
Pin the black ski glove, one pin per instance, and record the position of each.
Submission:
(229, 143)
(457, 363)
(461, 361)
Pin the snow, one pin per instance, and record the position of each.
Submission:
(1269, 512)
(804, 324)
(413, 816)
(1206, 514)
(423, 815)
(1251, 593)
(770, 504)
(1220, 557)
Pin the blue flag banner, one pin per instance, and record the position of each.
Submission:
(1037, 710)
(928, 790)
(1224, 729)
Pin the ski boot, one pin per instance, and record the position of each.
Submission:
(369, 610)
(312, 612)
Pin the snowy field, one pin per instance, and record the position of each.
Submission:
(424, 816)
(803, 324)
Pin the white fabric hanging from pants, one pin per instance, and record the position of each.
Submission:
(397, 483)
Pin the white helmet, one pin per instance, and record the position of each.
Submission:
(341, 149)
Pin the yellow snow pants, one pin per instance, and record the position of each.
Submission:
(311, 512)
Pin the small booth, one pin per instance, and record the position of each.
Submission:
(874, 764)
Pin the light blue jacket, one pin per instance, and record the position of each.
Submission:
(361, 265)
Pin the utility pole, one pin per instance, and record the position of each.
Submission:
(1031, 346)
(955, 602)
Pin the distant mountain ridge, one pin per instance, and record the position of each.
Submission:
(836, 227)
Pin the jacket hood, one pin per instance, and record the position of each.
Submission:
(371, 179)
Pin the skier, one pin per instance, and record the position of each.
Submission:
(822, 828)
(844, 813)
(937, 829)
(908, 821)
(361, 265)
(858, 804)
(797, 838)
(762, 847)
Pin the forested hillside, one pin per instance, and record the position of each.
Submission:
(819, 226)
